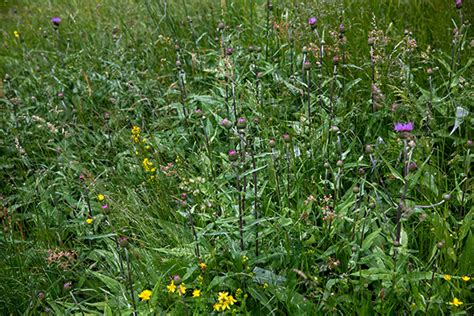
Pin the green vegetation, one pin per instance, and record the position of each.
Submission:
(235, 157)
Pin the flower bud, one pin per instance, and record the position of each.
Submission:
(458, 4)
(342, 28)
(340, 163)
(334, 129)
(335, 60)
(233, 155)
(272, 143)
(307, 65)
(221, 26)
(469, 143)
(67, 286)
(123, 241)
(41, 296)
(229, 51)
(429, 71)
(286, 138)
(327, 165)
(241, 123)
(446, 196)
(356, 189)
(226, 123)
(177, 279)
(371, 41)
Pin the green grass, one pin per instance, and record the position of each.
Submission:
(69, 101)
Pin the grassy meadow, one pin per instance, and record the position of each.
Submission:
(221, 157)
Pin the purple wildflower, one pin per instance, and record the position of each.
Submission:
(233, 155)
(241, 123)
(458, 4)
(400, 127)
(56, 20)
(105, 206)
(312, 21)
(226, 123)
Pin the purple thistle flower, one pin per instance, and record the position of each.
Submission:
(312, 21)
(458, 4)
(226, 123)
(241, 123)
(105, 206)
(400, 127)
(233, 155)
(56, 20)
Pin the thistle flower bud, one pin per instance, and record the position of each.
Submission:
(327, 165)
(446, 196)
(335, 60)
(342, 28)
(229, 51)
(233, 155)
(272, 143)
(106, 116)
(356, 189)
(221, 26)
(307, 65)
(67, 286)
(412, 166)
(312, 22)
(429, 71)
(286, 138)
(226, 123)
(198, 112)
(458, 4)
(123, 241)
(340, 163)
(241, 123)
(41, 296)
(305, 49)
(177, 279)
(469, 143)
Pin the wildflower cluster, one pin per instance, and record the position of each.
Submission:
(224, 301)
(136, 134)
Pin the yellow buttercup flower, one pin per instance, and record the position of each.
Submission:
(182, 289)
(456, 302)
(145, 295)
(203, 266)
(16, 34)
(196, 293)
(171, 287)
(447, 277)
(89, 221)
(217, 307)
(100, 197)
(465, 278)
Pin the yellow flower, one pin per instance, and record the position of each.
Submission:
(218, 307)
(447, 277)
(16, 34)
(100, 197)
(465, 278)
(89, 221)
(171, 287)
(203, 266)
(196, 293)
(265, 285)
(222, 296)
(145, 295)
(456, 302)
(245, 259)
(182, 289)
